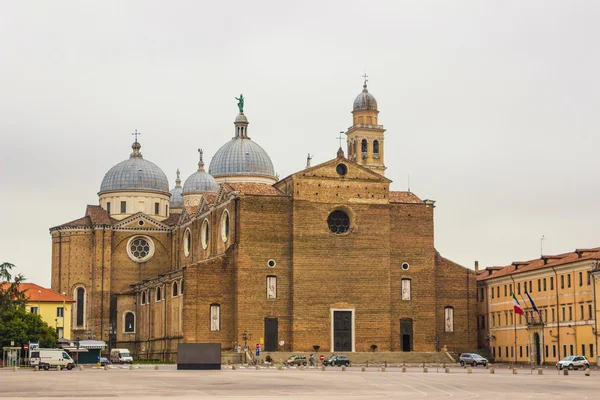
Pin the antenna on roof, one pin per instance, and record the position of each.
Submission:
(408, 183)
(542, 245)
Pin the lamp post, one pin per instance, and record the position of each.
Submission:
(39, 302)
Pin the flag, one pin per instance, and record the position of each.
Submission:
(532, 303)
(516, 305)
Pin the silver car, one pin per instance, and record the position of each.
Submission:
(472, 359)
(573, 362)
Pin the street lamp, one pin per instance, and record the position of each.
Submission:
(39, 302)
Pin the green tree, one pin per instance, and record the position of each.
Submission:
(16, 324)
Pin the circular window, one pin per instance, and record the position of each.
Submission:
(225, 226)
(205, 234)
(338, 222)
(271, 263)
(341, 169)
(187, 242)
(141, 223)
(140, 248)
(405, 266)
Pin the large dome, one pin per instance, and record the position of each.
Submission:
(200, 181)
(365, 101)
(135, 174)
(241, 156)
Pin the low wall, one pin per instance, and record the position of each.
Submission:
(355, 358)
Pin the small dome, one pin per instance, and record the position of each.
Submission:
(364, 101)
(200, 181)
(135, 174)
(241, 156)
(176, 198)
(241, 118)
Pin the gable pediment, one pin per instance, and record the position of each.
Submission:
(140, 221)
(329, 170)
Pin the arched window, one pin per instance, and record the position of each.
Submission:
(376, 148)
(449, 319)
(79, 306)
(406, 288)
(225, 226)
(175, 289)
(143, 297)
(187, 242)
(363, 147)
(158, 294)
(181, 287)
(204, 235)
(129, 322)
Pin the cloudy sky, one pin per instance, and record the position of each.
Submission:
(491, 107)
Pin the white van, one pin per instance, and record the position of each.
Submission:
(46, 358)
(120, 356)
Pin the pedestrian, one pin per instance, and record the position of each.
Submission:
(312, 360)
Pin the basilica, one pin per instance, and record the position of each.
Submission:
(328, 256)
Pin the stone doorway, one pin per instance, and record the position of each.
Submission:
(271, 334)
(342, 331)
(536, 343)
(406, 334)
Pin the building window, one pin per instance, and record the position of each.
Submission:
(554, 350)
(271, 287)
(571, 348)
(363, 148)
(156, 208)
(505, 317)
(449, 319)
(338, 222)
(215, 317)
(123, 207)
(505, 291)
(204, 234)
(493, 320)
(581, 309)
(530, 286)
(225, 226)
(143, 301)
(591, 350)
(498, 291)
(79, 306)
(494, 349)
(492, 293)
(506, 351)
(108, 207)
(167, 210)
(187, 242)
(519, 288)
(140, 249)
(60, 312)
(510, 291)
(546, 315)
(562, 281)
(551, 283)
(406, 289)
(564, 314)
(570, 313)
(526, 351)
(544, 284)
(564, 350)
(181, 287)
(589, 282)
(481, 297)
(34, 310)
(568, 280)
(590, 311)
(175, 289)
(547, 351)
(60, 331)
(158, 294)
(483, 322)
(539, 285)
(129, 325)
(583, 350)
(375, 148)
(581, 279)
(512, 351)
(520, 351)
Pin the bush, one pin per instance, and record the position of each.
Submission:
(268, 358)
(316, 347)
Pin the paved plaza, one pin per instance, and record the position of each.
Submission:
(167, 382)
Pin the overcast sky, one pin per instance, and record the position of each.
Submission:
(491, 107)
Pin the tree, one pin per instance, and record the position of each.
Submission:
(16, 324)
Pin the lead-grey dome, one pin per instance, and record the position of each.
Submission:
(364, 101)
(176, 200)
(135, 174)
(241, 156)
(200, 181)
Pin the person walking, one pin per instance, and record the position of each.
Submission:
(312, 360)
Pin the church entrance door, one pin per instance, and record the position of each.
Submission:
(406, 330)
(342, 331)
(271, 337)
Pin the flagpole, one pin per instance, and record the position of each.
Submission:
(514, 316)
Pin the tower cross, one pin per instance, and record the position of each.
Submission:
(340, 138)
(136, 133)
(365, 76)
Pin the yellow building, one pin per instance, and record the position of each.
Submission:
(562, 287)
(54, 308)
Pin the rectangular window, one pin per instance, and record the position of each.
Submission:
(564, 350)
(156, 208)
(34, 310)
(546, 315)
(493, 320)
(511, 317)
(569, 280)
(123, 207)
(591, 350)
(449, 319)
(554, 350)
(512, 351)
(546, 351)
(167, 210)
(505, 291)
(108, 207)
(60, 312)
(215, 317)
(581, 279)
(562, 281)
(539, 285)
(570, 313)
(583, 350)
(519, 288)
(544, 284)
(590, 313)
(582, 316)
(505, 317)
(520, 319)
(494, 349)
(483, 322)
(498, 292)
(589, 282)
(564, 314)
(492, 293)
(526, 351)
(571, 348)
(520, 351)
(551, 283)
(506, 351)
(510, 291)
(60, 332)
(530, 286)
(406, 289)
(271, 287)
(552, 312)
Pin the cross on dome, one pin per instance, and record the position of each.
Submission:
(136, 133)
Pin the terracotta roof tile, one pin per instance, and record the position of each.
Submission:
(172, 220)
(538, 263)
(44, 295)
(85, 222)
(404, 197)
(261, 189)
(98, 215)
(191, 210)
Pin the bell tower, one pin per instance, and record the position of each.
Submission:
(365, 136)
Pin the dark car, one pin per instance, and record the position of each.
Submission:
(295, 360)
(337, 360)
(104, 361)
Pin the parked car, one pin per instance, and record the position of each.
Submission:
(104, 361)
(295, 360)
(573, 362)
(472, 359)
(337, 360)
